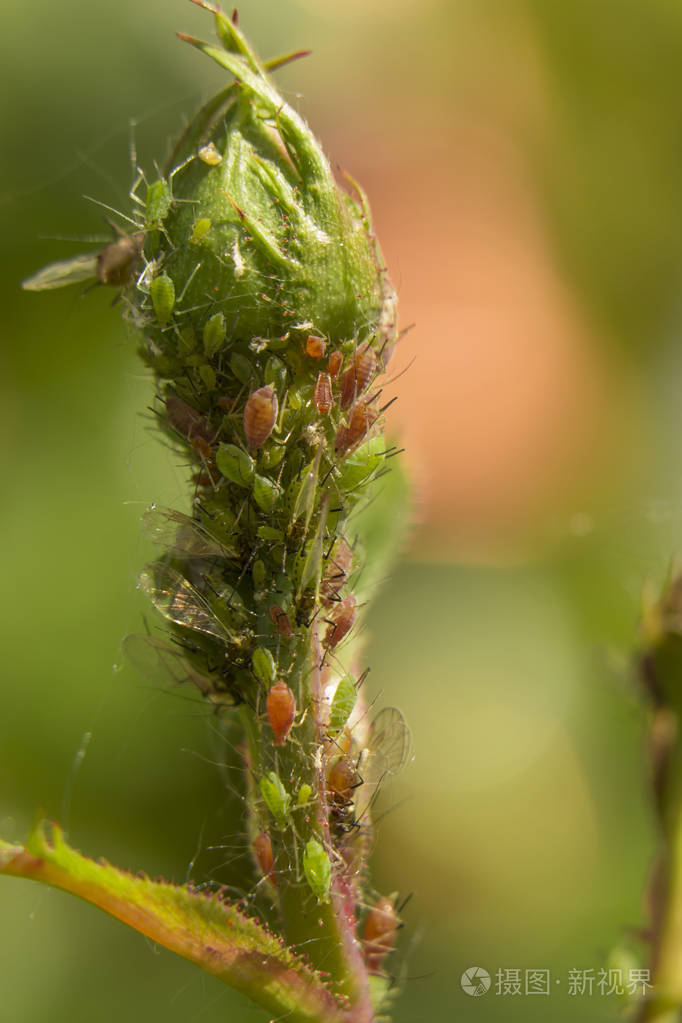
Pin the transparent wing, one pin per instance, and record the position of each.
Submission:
(179, 602)
(388, 750)
(160, 662)
(181, 534)
(65, 271)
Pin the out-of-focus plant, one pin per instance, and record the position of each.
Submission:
(266, 316)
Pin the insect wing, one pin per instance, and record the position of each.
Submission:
(389, 741)
(181, 534)
(388, 750)
(62, 273)
(159, 662)
(178, 601)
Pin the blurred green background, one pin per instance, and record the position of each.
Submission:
(523, 160)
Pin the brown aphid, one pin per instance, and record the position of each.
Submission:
(315, 347)
(117, 262)
(281, 708)
(260, 416)
(202, 447)
(342, 780)
(262, 850)
(362, 418)
(336, 573)
(322, 395)
(342, 622)
(358, 375)
(379, 933)
(187, 421)
(281, 621)
(335, 363)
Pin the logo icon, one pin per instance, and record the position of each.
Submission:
(475, 981)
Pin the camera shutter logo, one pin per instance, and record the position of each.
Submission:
(475, 981)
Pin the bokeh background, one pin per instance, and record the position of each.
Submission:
(523, 160)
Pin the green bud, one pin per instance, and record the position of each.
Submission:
(235, 465)
(162, 291)
(263, 665)
(317, 869)
(277, 799)
(214, 334)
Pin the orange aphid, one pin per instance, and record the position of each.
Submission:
(281, 621)
(262, 849)
(363, 416)
(315, 347)
(342, 622)
(379, 933)
(342, 779)
(358, 375)
(260, 415)
(335, 363)
(202, 447)
(338, 567)
(281, 708)
(322, 395)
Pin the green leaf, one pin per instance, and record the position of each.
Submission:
(201, 927)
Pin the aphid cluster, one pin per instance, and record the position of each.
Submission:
(265, 314)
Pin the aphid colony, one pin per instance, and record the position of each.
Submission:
(266, 315)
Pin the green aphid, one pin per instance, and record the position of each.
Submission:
(187, 339)
(276, 374)
(242, 368)
(304, 491)
(277, 799)
(304, 794)
(263, 663)
(342, 705)
(214, 334)
(207, 374)
(157, 204)
(317, 869)
(271, 455)
(200, 230)
(162, 291)
(259, 574)
(235, 465)
(266, 494)
(359, 466)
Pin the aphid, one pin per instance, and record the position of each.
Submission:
(315, 347)
(202, 448)
(387, 751)
(281, 621)
(276, 797)
(335, 363)
(263, 664)
(157, 204)
(209, 155)
(162, 291)
(178, 601)
(281, 708)
(342, 705)
(358, 375)
(342, 780)
(336, 574)
(362, 418)
(262, 850)
(235, 465)
(317, 869)
(260, 415)
(342, 622)
(187, 421)
(182, 535)
(214, 334)
(115, 265)
(379, 933)
(322, 395)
